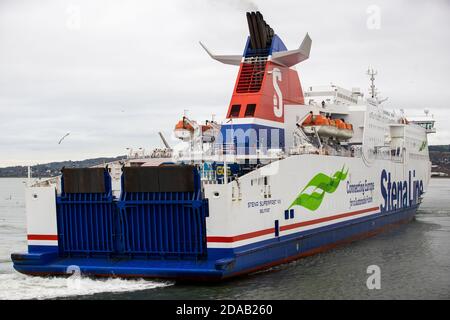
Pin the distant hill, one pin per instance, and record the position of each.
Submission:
(440, 148)
(440, 158)
(439, 155)
(53, 168)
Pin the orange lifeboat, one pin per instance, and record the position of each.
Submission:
(208, 134)
(325, 127)
(321, 121)
(308, 120)
(345, 130)
(315, 120)
(206, 128)
(183, 130)
(340, 124)
(320, 124)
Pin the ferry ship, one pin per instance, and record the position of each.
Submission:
(288, 173)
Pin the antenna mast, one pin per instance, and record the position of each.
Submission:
(373, 90)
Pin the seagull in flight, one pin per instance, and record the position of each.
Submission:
(61, 140)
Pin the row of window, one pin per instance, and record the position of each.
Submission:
(427, 125)
(344, 97)
(378, 127)
(236, 110)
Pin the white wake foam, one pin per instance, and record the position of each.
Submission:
(15, 286)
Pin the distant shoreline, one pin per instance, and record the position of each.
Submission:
(439, 156)
(48, 170)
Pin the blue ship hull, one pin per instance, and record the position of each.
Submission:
(218, 264)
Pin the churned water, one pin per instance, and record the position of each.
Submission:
(13, 239)
(414, 260)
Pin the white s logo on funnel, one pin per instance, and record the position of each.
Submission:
(278, 95)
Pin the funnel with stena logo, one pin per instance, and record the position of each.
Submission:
(267, 83)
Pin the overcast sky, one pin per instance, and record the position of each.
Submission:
(114, 73)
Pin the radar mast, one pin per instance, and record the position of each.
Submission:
(373, 90)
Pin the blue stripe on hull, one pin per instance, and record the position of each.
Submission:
(221, 263)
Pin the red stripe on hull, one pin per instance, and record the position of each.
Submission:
(245, 236)
(264, 232)
(241, 236)
(321, 220)
(42, 237)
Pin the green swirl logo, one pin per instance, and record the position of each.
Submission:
(321, 184)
